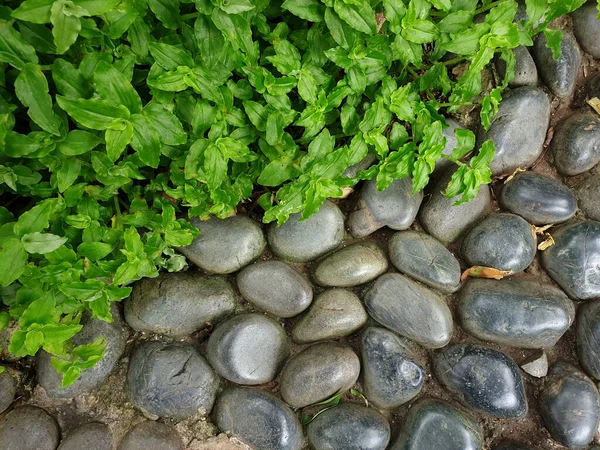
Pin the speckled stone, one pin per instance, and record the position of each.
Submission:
(525, 70)
(91, 436)
(225, 245)
(304, 240)
(538, 199)
(410, 309)
(356, 264)
(586, 28)
(484, 379)
(349, 426)
(570, 406)
(8, 389)
(151, 435)
(588, 337)
(29, 428)
(334, 313)
(588, 195)
(276, 288)
(248, 349)
(575, 146)
(317, 373)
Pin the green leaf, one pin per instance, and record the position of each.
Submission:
(66, 23)
(535, 10)
(33, 341)
(16, 145)
(310, 10)
(554, 41)
(359, 15)
(420, 31)
(489, 107)
(42, 242)
(145, 140)
(13, 49)
(115, 88)
(68, 173)
(94, 113)
(35, 11)
(276, 172)
(94, 250)
(78, 142)
(170, 57)
(69, 81)
(13, 259)
(465, 142)
(167, 11)
(456, 22)
(215, 166)
(236, 6)
(37, 218)
(168, 126)
(118, 136)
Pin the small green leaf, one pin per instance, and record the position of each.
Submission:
(358, 14)
(37, 218)
(553, 41)
(167, 11)
(78, 142)
(13, 49)
(68, 173)
(66, 24)
(94, 113)
(33, 341)
(42, 242)
(115, 88)
(145, 140)
(118, 136)
(34, 11)
(13, 259)
(310, 10)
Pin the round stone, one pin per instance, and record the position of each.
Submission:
(425, 259)
(516, 313)
(586, 28)
(334, 313)
(410, 309)
(171, 380)
(573, 261)
(349, 426)
(588, 195)
(317, 373)
(570, 406)
(248, 349)
(588, 336)
(178, 304)
(538, 199)
(518, 130)
(276, 288)
(395, 207)
(391, 373)
(8, 389)
(29, 428)
(304, 240)
(575, 146)
(259, 419)
(501, 241)
(433, 424)
(151, 435)
(225, 245)
(353, 265)
(92, 436)
(525, 70)
(484, 379)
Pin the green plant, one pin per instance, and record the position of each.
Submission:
(118, 114)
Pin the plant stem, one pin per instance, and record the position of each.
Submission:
(487, 7)
(117, 223)
(189, 16)
(454, 61)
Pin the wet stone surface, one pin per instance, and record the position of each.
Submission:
(92, 436)
(525, 70)
(28, 428)
(588, 196)
(575, 146)
(151, 435)
(8, 389)
(588, 336)
(586, 28)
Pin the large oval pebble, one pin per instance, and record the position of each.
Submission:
(588, 337)
(560, 75)
(28, 428)
(91, 436)
(151, 435)
(586, 28)
(575, 146)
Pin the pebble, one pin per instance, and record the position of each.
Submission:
(305, 240)
(349, 426)
(275, 287)
(151, 435)
(433, 424)
(334, 313)
(575, 146)
(484, 379)
(573, 262)
(8, 389)
(536, 366)
(516, 313)
(588, 194)
(171, 380)
(91, 436)
(410, 309)
(115, 335)
(560, 75)
(447, 222)
(178, 304)
(259, 419)
(356, 264)
(450, 134)
(538, 199)
(225, 245)
(29, 428)
(525, 71)
(518, 129)
(317, 373)
(588, 336)
(425, 259)
(391, 373)
(570, 406)
(586, 28)
(248, 349)
(395, 207)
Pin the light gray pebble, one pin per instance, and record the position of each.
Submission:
(150, 435)
(29, 428)
(8, 389)
(91, 436)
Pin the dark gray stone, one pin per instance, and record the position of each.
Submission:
(450, 134)
(575, 146)
(525, 70)
(425, 259)
(150, 435)
(588, 195)
(538, 199)
(259, 419)
(502, 241)
(317, 373)
(410, 309)
(171, 380)
(225, 245)
(391, 373)
(91, 436)
(334, 313)
(356, 264)
(519, 129)
(573, 261)
(395, 207)
(304, 240)
(570, 406)
(178, 304)
(115, 335)
(433, 424)
(484, 379)
(586, 28)
(516, 313)
(349, 426)
(29, 428)
(588, 337)
(248, 349)
(276, 288)
(560, 75)
(8, 389)
(445, 221)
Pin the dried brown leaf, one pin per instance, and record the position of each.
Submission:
(595, 103)
(514, 174)
(548, 242)
(541, 230)
(485, 272)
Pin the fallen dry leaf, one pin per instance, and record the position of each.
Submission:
(595, 103)
(485, 272)
(514, 174)
(541, 230)
(548, 242)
